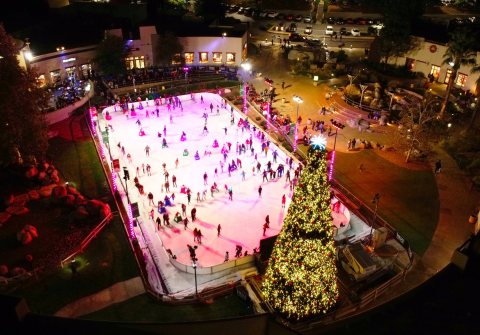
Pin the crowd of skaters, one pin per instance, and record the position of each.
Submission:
(253, 146)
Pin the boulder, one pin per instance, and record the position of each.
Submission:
(4, 217)
(69, 200)
(14, 210)
(42, 176)
(94, 207)
(46, 191)
(3, 270)
(33, 195)
(21, 200)
(31, 173)
(80, 201)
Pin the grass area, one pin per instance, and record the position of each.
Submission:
(106, 261)
(409, 199)
(145, 309)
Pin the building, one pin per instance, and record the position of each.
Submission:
(428, 59)
(209, 46)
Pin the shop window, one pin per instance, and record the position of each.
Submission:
(435, 71)
(217, 57)
(189, 57)
(461, 79)
(135, 62)
(230, 57)
(448, 75)
(410, 64)
(203, 57)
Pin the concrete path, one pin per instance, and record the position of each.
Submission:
(114, 294)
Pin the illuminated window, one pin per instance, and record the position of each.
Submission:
(86, 69)
(135, 62)
(41, 81)
(230, 57)
(448, 75)
(461, 79)
(410, 64)
(217, 57)
(435, 71)
(189, 57)
(177, 59)
(70, 71)
(203, 57)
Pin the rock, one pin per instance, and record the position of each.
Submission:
(42, 176)
(94, 207)
(80, 201)
(32, 230)
(14, 210)
(31, 173)
(69, 200)
(3, 270)
(33, 195)
(21, 200)
(4, 217)
(72, 190)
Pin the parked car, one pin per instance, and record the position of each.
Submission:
(339, 21)
(308, 30)
(299, 18)
(349, 21)
(281, 16)
(355, 32)
(272, 15)
(329, 30)
(294, 37)
(343, 31)
(289, 17)
(331, 20)
(307, 19)
(292, 27)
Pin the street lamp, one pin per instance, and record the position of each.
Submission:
(246, 70)
(126, 177)
(87, 89)
(193, 257)
(363, 88)
(298, 100)
(337, 125)
(375, 201)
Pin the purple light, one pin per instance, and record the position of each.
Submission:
(332, 161)
(131, 230)
(245, 98)
(113, 175)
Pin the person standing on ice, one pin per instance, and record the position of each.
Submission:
(205, 179)
(284, 199)
(219, 229)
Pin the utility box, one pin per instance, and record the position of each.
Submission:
(379, 237)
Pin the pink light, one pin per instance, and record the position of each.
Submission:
(332, 161)
(113, 175)
(131, 230)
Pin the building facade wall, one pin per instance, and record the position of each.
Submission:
(428, 59)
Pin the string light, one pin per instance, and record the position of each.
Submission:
(301, 278)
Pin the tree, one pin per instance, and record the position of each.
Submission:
(395, 38)
(210, 10)
(475, 69)
(461, 50)
(111, 53)
(301, 278)
(167, 48)
(23, 128)
(415, 122)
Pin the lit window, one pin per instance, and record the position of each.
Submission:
(230, 57)
(461, 79)
(217, 57)
(135, 62)
(435, 71)
(447, 76)
(410, 64)
(203, 57)
(189, 57)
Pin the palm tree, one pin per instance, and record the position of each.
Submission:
(460, 51)
(475, 69)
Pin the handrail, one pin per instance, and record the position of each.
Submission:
(86, 241)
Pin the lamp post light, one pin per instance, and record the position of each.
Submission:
(298, 100)
(246, 70)
(337, 125)
(126, 177)
(375, 201)
(362, 88)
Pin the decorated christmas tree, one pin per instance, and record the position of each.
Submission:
(301, 278)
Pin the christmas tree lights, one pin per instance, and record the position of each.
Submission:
(301, 278)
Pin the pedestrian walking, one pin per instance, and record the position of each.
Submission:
(150, 199)
(185, 223)
(159, 223)
(195, 235)
(149, 170)
(219, 229)
(176, 163)
(174, 181)
(264, 228)
(283, 85)
(267, 221)
(189, 197)
(167, 186)
(205, 179)
(199, 236)
(184, 210)
(166, 219)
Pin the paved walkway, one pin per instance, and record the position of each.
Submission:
(114, 294)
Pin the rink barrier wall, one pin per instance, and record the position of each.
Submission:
(249, 260)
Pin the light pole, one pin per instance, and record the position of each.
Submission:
(193, 257)
(298, 100)
(363, 88)
(126, 177)
(246, 70)
(337, 125)
(375, 201)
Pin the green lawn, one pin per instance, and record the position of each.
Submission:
(144, 309)
(409, 198)
(106, 261)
